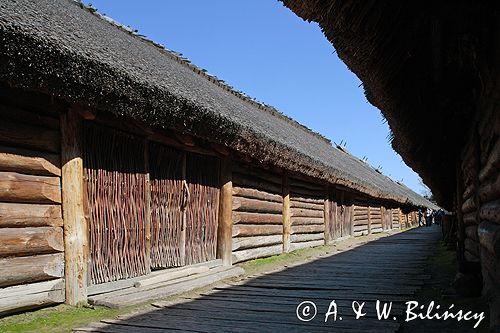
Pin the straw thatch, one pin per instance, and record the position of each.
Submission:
(61, 48)
(428, 66)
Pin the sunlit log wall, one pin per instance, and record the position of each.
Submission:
(307, 201)
(257, 213)
(478, 209)
(31, 233)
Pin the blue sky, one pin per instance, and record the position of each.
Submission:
(263, 49)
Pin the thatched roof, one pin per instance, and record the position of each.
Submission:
(428, 66)
(64, 49)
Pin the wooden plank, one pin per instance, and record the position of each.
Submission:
(241, 243)
(259, 173)
(23, 270)
(29, 162)
(16, 187)
(260, 252)
(256, 218)
(257, 206)
(307, 229)
(327, 205)
(257, 229)
(16, 215)
(31, 296)
(29, 136)
(256, 194)
(30, 241)
(256, 183)
(225, 224)
(75, 227)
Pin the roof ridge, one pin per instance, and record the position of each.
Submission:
(178, 57)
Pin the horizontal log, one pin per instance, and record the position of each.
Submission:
(470, 218)
(256, 183)
(472, 246)
(489, 237)
(361, 217)
(29, 215)
(307, 229)
(490, 189)
(490, 211)
(30, 241)
(307, 220)
(256, 194)
(360, 222)
(255, 230)
(307, 237)
(469, 205)
(376, 225)
(357, 228)
(16, 187)
(260, 252)
(23, 270)
(29, 136)
(171, 275)
(492, 164)
(241, 243)
(31, 296)
(468, 191)
(257, 218)
(306, 212)
(306, 205)
(254, 205)
(29, 162)
(304, 245)
(376, 230)
(298, 198)
(471, 232)
(27, 117)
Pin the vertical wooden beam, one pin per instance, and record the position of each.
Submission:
(75, 226)
(184, 210)
(287, 221)
(327, 215)
(351, 231)
(148, 202)
(225, 226)
(369, 220)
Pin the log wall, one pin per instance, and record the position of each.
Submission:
(257, 214)
(307, 214)
(31, 233)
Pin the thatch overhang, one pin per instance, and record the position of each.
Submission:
(61, 48)
(428, 66)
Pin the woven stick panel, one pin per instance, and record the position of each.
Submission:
(202, 175)
(165, 174)
(115, 204)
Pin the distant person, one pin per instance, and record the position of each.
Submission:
(428, 217)
(420, 217)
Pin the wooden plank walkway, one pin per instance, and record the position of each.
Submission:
(389, 269)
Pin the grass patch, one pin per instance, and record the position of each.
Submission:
(57, 319)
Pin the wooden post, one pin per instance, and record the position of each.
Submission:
(147, 225)
(75, 227)
(287, 221)
(185, 190)
(369, 221)
(351, 231)
(327, 215)
(225, 226)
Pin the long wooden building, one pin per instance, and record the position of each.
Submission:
(120, 159)
(432, 69)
